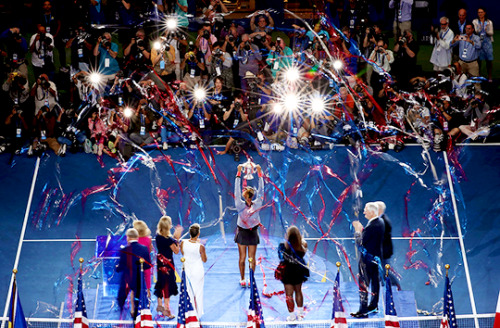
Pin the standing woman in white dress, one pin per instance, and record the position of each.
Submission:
(195, 255)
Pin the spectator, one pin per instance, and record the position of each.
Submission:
(484, 28)
(44, 132)
(477, 116)
(163, 56)
(221, 64)
(265, 22)
(16, 129)
(441, 54)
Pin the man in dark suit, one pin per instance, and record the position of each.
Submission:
(387, 247)
(369, 241)
(130, 267)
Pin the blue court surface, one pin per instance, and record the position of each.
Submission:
(77, 198)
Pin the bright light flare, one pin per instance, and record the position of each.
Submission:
(318, 105)
(277, 108)
(338, 64)
(95, 78)
(199, 94)
(171, 24)
(291, 101)
(157, 45)
(128, 112)
(292, 74)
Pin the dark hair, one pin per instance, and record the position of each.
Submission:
(485, 12)
(194, 230)
(220, 79)
(294, 238)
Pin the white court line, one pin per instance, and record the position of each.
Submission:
(56, 240)
(461, 241)
(21, 238)
(325, 239)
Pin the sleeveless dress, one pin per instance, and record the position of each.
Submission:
(146, 241)
(195, 273)
(165, 285)
(295, 270)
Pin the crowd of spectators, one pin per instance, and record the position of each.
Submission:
(131, 74)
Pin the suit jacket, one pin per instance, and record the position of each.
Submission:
(130, 265)
(372, 237)
(387, 249)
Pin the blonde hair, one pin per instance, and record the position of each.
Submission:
(142, 228)
(164, 226)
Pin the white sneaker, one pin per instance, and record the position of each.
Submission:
(165, 146)
(87, 146)
(292, 317)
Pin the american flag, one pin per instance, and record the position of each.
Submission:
(391, 317)
(144, 317)
(255, 318)
(80, 319)
(497, 315)
(16, 314)
(187, 317)
(338, 314)
(448, 320)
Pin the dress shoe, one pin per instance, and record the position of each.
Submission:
(359, 314)
(372, 309)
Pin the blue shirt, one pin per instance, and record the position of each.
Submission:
(466, 51)
(105, 57)
(404, 10)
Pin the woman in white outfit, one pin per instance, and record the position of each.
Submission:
(195, 255)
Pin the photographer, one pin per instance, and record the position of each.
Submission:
(141, 123)
(44, 132)
(16, 129)
(13, 51)
(372, 36)
(441, 54)
(107, 52)
(221, 64)
(280, 57)
(351, 51)
(67, 132)
(478, 116)
(200, 115)
(402, 17)
(52, 24)
(205, 42)
(137, 54)
(17, 87)
(218, 97)
(300, 41)
(405, 66)
(44, 92)
(81, 49)
(193, 64)
(383, 59)
(163, 59)
(41, 46)
(249, 57)
(469, 45)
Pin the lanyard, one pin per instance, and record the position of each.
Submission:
(443, 35)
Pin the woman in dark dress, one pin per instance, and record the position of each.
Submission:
(291, 253)
(167, 245)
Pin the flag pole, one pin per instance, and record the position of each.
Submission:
(338, 264)
(81, 264)
(387, 268)
(447, 267)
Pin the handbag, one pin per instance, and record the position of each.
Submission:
(280, 270)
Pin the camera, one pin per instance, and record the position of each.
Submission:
(45, 84)
(16, 36)
(105, 43)
(206, 34)
(191, 56)
(380, 50)
(140, 43)
(231, 38)
(247, 46)
(402, 41)
(218, 52)
(45, 39)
